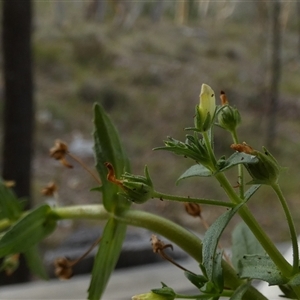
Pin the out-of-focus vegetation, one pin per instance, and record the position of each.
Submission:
(148, 77)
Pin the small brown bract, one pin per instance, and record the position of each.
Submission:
(245, 148)
(223, 97)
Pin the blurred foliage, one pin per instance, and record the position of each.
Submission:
(148, 77)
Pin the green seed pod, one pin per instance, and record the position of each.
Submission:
(267, 170)
(136, 188)
(229, 118)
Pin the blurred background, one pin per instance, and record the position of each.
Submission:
(145, 61)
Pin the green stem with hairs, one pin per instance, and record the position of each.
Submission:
(291, 225)
(240, 169)
(210, 150)
(163, 196)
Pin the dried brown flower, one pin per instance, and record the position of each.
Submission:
(49, 189)
(63, 268)
(59, 152)
(158, 245)
(193, 209)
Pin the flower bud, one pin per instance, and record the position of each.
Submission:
(206, 109)
(137, 189)
(228, 117)
(152, 296)
(266, 170)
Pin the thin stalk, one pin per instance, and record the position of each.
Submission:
(291, 225)
(210, 150)
(78, 160)
(240, 169)
(168, 197)
(223, 294)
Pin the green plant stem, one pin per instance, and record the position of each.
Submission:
(240, 168)
(225, 293)
(91, 212)
(291, 225)
(256, 229)
(172, 231)
(163, 196)
(210, 150)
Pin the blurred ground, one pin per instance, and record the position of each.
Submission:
(148, 78)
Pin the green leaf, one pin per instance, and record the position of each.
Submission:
(96, 189)
(166, 292)
(288, 292)
(28, 231)
(196, 170)
(10, 207)
(244, 242)
(250, 192)
(236, 159)
(197, 280)
(240, 291)
(211, 240)
(260, 267)
(217, 274)
(35, 262)
(108, 148)
(106, 258)
(295, 280)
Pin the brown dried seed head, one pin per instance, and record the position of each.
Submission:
(50, 189)
(63, 268)
(157, 244)
(59, 151)
(193, 209)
